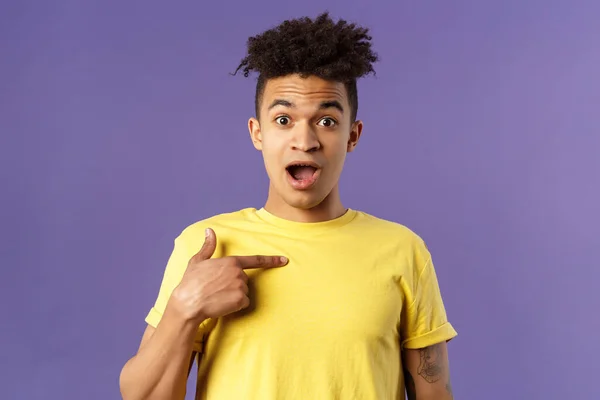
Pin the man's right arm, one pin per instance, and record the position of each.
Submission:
(209, 288)
(161, 366)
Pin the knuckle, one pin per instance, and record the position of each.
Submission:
(233, 262)
(195, 261)
(240, 299)
(237, 284)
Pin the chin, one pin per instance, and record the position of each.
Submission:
(304, 201)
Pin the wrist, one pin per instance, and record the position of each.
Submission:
(177, 317)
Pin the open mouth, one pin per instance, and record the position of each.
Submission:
(302, 175)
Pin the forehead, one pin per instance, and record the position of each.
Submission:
(309, 91)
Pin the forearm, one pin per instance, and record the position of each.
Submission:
(415, 394)
(160, 369)
(427, 373)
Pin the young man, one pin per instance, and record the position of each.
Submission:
(353, 309)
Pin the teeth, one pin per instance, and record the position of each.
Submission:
(301, 165)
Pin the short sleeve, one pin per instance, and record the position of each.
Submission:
(424, 321)
(176, 266)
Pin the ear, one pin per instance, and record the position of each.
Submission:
(354, 135)
(255, 133)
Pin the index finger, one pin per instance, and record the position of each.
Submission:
(248, 262)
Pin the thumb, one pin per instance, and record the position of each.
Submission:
(208, 247)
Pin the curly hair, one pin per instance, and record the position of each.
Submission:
(332, 51)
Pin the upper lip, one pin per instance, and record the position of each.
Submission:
(304, 162)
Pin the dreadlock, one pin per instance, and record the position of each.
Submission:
(335, 51)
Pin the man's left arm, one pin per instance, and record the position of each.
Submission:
(427, 373)
(425, 332)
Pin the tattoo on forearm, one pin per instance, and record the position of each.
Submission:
(431, 367)
(409, 384)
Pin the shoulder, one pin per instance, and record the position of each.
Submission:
(391, 233)
(387, 228)
(219, 222)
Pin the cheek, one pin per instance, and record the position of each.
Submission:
(272, 151)
(272, 140)
(337, 152)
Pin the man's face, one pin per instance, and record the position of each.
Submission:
(304, 134)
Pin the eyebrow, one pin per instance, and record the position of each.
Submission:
(324, 105)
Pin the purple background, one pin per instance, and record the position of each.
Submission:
(120, 126)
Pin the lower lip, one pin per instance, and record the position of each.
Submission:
(303, 184)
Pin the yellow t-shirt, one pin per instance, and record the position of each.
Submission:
(328, 325)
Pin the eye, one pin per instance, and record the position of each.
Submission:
(327, 122)
(282, 120)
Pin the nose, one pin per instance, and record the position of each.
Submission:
(304, 138)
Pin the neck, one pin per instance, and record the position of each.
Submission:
(330, 208)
